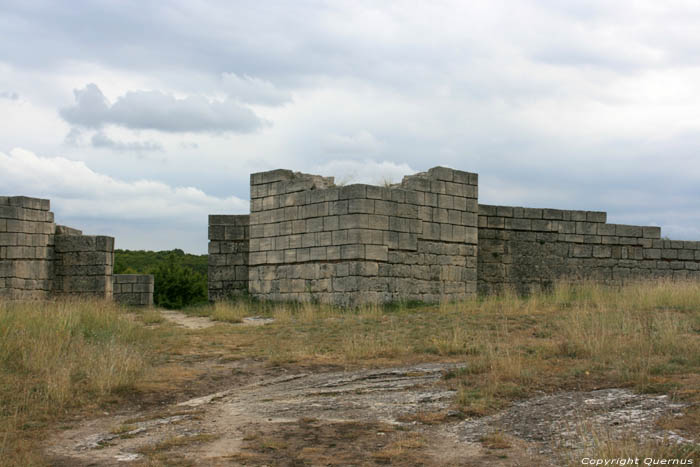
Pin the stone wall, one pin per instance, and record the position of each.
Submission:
(40, 260)
(312, 240)
(228, 256)
(425, 239)
(84, 266)
(133, 289)
(528, 249)
(26, 248)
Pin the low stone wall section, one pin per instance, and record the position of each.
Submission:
(313, 241)
(133, 289)
(83, 266)
(229, 237)
(529, 249)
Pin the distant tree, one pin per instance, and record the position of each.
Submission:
(177, 286)
(180, 278)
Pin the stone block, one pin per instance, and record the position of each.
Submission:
(440, 215)
(488, 210)
(387, 208)
(686, 254)
(504, 211)
(352, 251)
(338, 207)
(581, 251)
(350, 221)
(495, 222)
(552, 214)
(318, 254)
(353, 192)
(376, 252)
(340, 237)
(586, 228)
(532, 213)
(407, 241)
(314, 225)
(596, 216)
(438, 186)
(628, 231)
(651, 232)
(414, 197)
(446, 201)
(416, 183)
(470, 219)
(542, 225)
(409, 211)
(517, 224)
(398, 224)
(668, 253)
(332, 253)
(378, 222)
(441, 173)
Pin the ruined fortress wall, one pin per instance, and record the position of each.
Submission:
(228, 256)
(84, 265)
(26, 248)
(425, 239)
(41, 260)
(528, 249)
(133, 289)
(312, 240)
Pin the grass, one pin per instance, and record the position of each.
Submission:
(601, 443)
(229, 312)
(152, 316)
(399, 448)
(60, 356)
(585, 336)
(56, 358)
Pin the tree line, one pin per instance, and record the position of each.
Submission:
(180, 278)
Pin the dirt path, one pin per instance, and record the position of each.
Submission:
(186, 321)
(400, 415)
(201, 322)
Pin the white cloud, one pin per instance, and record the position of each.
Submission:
(76, 191)
(362, 142)
(159, 111)
(364, 171)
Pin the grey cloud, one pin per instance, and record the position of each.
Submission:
(101, 140)
(159, 111)
(91, 108)
(254, 90)
(10, 95)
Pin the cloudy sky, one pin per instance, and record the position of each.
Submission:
(137, 119)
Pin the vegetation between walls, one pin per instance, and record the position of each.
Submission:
(180, 278)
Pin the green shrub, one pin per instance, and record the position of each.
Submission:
(177, 286)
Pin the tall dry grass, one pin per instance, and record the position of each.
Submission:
(59, 355)
(643, 335)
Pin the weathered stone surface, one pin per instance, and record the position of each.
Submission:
(40, 260)
(133, 289)
(428, 237)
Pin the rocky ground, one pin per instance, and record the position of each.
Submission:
(325, 416)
